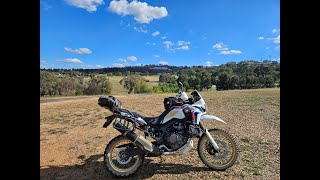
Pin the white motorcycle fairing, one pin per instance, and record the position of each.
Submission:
(174, 113)
(211, 117)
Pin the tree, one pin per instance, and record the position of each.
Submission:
(92, 89)
(66, 86)
(166, 77)
(223, 81)
(251, 81)
(269, 81)
(128, 82)
(205, 80)
(136, 83)
(234, 82)
(48, 83)
(101, 82)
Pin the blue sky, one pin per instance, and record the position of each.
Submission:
(105, 33)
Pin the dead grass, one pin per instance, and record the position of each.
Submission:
(72, 139)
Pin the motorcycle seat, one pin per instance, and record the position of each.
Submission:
(150, 120)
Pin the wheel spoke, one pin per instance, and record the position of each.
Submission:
(119, 158)
(221, 159)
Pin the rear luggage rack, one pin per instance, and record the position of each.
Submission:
(129, 126)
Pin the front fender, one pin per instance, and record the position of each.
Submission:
(211, 117)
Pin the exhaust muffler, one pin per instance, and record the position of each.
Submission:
(138, 140)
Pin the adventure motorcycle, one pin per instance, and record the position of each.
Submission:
(172, 131)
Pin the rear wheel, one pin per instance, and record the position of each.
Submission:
(222, 159)
(117, 160)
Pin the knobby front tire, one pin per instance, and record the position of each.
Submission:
(223, 159)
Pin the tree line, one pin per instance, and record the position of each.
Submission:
(232, 75)
(242, 75)
(151, 69)
(53, 84)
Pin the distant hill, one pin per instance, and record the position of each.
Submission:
(146, 69)
(155, 69)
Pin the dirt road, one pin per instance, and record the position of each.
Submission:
(48, 100)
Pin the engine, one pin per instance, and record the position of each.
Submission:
(175, 136)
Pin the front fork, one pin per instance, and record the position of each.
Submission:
(214, 144)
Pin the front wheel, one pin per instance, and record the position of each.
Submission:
(222, 159)
(118, 160)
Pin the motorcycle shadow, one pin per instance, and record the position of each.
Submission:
(94, 169)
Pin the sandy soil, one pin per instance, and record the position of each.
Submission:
(72, 139)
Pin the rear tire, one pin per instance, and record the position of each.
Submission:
(228, 154)
(115, 159)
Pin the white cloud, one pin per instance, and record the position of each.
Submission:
(117, 65)
(267, 48)
(79, 51)
(260, 38)
(181, 43)
(168, 44)
(89, 5)
(224, 50)
(275, 30)
(163, 62)
(164, 37)
(209, 53)
(140, 29)
(142, 12)
(277, 40)
(208, 63)
(183, 48)
(71, 60)
(132, 58)
(138, 64)
(99, 66)
(156, 56)
(218, 45)
(230, 52)
(156, 33)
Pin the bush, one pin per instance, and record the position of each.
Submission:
(92, 90)
(142, 88)
(135, 83)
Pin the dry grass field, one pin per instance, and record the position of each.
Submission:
(72, 140)
(118, 89)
